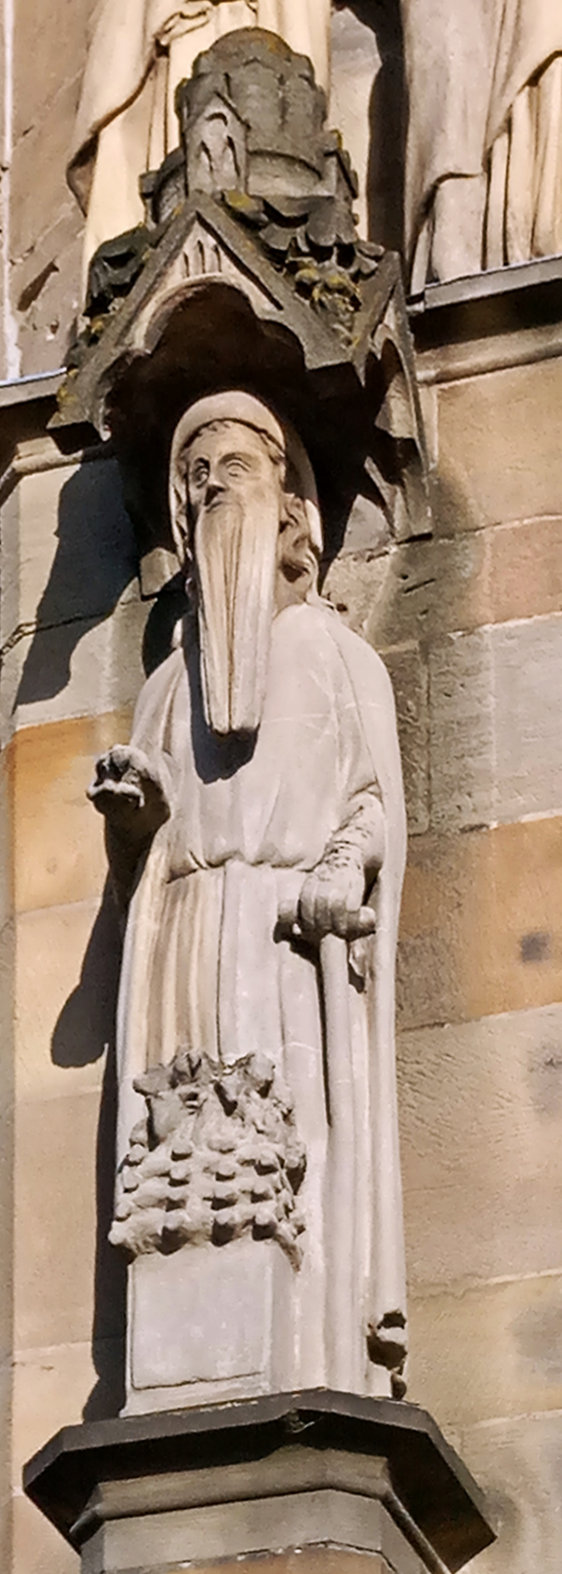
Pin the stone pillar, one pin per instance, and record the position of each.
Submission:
(312, 1481)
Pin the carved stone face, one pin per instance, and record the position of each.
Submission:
(235, 505)
(228, 461)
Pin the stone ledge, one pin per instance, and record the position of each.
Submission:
(232, 1453)
(504, 317)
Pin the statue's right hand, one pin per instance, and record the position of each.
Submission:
(128, 789)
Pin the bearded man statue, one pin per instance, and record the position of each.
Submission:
(140, 51)
(256, 834)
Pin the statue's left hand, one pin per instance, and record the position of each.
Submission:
(331, 898)
(128, 790)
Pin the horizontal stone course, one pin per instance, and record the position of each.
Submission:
(60, 1385)
(481, 926)
(66, 970)
(425, 589)
(37, 1546)
(519, 1460)
(495, 734)
(480, 1105)
(494, 1350)
(58, 848)
(495, 463)
(80, 669)
(68, 549)
(62, 1214)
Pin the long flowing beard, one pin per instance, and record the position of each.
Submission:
(235, 553)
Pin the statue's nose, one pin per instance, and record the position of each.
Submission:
(214, 489)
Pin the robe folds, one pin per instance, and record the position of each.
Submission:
(484, 147)
(140, 50)
(205, 965)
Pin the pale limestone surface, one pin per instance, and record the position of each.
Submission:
(126, 121)
(279, 823)
(484, 176)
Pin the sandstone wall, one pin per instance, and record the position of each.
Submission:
(471, 629)
(71, 634)
(469, 622)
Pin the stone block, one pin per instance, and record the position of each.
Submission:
(480, 1106)
(524, 569)
(6, 843)
(357, 584)
(458, 1233)
(54, 1385)
(494, 1350)
(47, 290)
(55, 1221)
(82, 668)
(426, 589)
(66, 971)
(527, 658)
(57, 57)
(238, 1530)
(495, 736)
(6, 1157)
(408, 672)
(481, 930)
(462, 731)
(499, 447)
(519, 1462)
(203, 1325)
(38, 170)
(58, 850)
(68, 549)
(431, 587)
(5, 1459)
(37, 1548)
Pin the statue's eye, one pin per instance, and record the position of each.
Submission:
(200, 473)
(236, 465)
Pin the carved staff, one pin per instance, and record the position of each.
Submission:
(342, 1322)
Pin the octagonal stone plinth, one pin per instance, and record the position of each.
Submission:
(317, 1479)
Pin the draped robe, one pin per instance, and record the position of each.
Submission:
(140, 50)
(484, 146)
(204, 965)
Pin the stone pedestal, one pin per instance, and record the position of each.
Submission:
(312, 1481)
(237, 1346)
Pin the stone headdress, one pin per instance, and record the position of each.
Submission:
(236, 405)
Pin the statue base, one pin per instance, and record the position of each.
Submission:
(318, 1477)
(202, 1328)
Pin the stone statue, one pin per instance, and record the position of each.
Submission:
(256, 836)
(141, 49)
(484, 174)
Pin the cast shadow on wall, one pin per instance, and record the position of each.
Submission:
(376, 70)
(94, 562)
(84, 1033)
